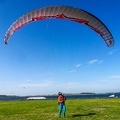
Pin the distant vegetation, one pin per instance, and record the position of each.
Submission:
(87, 93)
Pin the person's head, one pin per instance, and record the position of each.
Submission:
(59, 93)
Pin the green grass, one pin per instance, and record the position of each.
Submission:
(80, 109)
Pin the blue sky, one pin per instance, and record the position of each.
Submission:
(54, 55)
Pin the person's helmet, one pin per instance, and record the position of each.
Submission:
(59, 93)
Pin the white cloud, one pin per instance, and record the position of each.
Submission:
(40, 83)
(72, 71)
(101, 61)
(114, 77)
(54, 86)
(98, 86)
(95, 61)
(78, 65)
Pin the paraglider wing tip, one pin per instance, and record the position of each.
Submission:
(6, 42)
(110, 43)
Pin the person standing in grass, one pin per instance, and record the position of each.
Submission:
(61, 104)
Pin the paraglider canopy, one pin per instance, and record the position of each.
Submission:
(62, 12)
